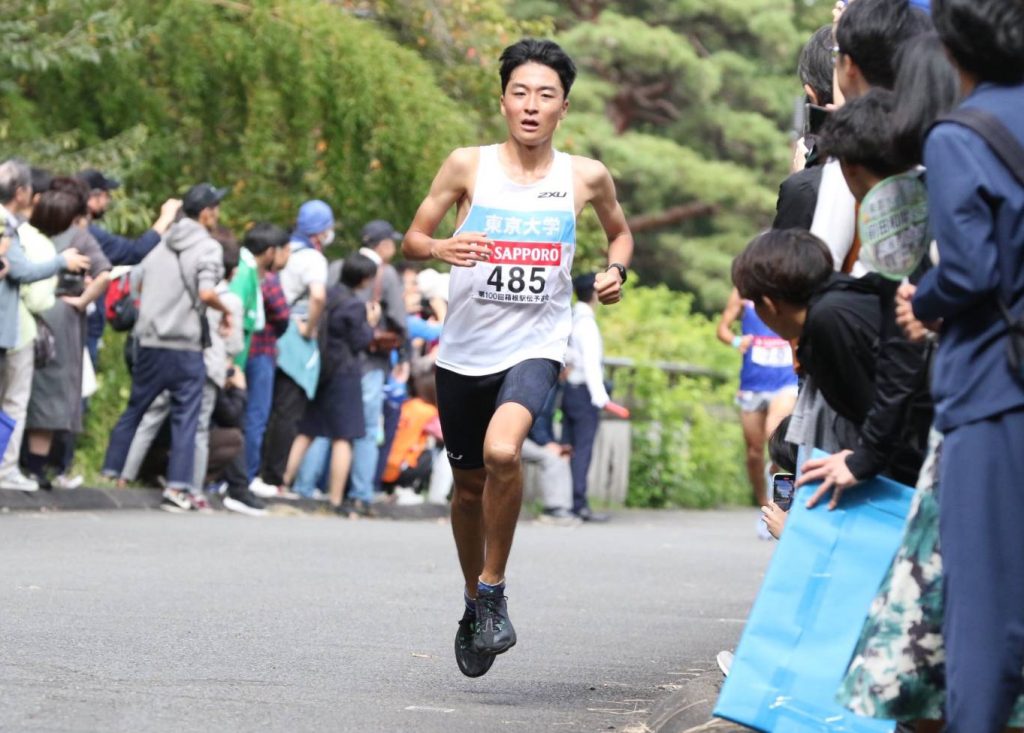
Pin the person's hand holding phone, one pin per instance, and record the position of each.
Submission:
(774, 519)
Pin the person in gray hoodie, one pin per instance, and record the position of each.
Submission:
(177, 283)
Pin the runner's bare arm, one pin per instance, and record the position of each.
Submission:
(600, 190)
(732, 311)
(450, 185)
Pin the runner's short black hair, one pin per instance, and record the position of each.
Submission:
(861, 133)
(815, 65)
(541, 51)
(986, 37)
(356, 269)
(871, 33)
(782, 264)
(264, 235)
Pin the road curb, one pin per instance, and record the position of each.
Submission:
(85, 499)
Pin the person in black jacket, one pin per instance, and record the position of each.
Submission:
(839, 323)
(335, 412)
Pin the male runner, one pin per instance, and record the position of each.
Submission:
(509, 316)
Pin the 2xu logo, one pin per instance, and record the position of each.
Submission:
(551, 195)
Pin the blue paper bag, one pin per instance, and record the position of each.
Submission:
(809, 612)
(299, 358)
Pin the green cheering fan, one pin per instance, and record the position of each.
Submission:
(893, 225)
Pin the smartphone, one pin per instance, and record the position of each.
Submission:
(814, 118)
(782, 490)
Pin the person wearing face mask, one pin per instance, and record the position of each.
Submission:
(304, 283)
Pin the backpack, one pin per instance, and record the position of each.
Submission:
(122, 309)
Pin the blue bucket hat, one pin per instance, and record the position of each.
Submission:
(314, 217)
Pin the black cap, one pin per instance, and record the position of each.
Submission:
(202, 196)
(377, 231)
(96, 181)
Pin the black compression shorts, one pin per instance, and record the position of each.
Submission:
(467, 404)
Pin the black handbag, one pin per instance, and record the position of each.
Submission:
(1011, 153)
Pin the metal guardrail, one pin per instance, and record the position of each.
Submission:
(671, 368)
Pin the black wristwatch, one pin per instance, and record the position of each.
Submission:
(620, 268)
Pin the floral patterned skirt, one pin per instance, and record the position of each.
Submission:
(898, 667)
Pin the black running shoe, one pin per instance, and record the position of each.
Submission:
(240, 499)
(470, 663)
(494, 633)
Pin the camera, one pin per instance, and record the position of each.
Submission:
(70, 284)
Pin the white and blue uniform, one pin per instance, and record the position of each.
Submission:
(517, 306)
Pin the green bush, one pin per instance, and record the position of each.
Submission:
(687, 443)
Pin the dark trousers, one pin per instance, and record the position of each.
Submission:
(227, 457)
(392, 414)
(981, 520)
(579, 428)
(286, 410)
(181, 373)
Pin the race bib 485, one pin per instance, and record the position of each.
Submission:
(517, 272)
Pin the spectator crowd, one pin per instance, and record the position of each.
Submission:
(259, 370)
(895, 270)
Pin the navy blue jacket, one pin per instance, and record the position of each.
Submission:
(122, 250)
(976, 208)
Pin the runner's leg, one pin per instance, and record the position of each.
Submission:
(779, 409)
(503, 489)
(754, 434)
(468, 523)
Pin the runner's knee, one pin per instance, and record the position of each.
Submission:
(501, 457)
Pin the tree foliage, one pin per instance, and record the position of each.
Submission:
(689, 104)
(282, 101)
(687, 445)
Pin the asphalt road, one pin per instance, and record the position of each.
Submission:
(145, 621)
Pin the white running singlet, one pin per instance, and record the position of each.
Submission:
(517, 306)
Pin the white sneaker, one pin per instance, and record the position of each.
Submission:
(68, 482)
(262, 489)
(407, 497)
(177, 501)
(17, 481)
(724, 660)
